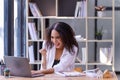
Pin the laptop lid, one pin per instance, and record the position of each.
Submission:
(18, 66)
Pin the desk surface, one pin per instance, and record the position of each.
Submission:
(56, 77)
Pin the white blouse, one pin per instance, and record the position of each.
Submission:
(67, 59)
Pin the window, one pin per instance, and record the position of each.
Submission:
(1, 29)
(15, 27)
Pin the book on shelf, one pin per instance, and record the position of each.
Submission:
(80, 10)
(110, 56)
(34, 9)
(83, 9)
(106, 55)
(79, 37)
(77, 9)
(83, 55)
(32, 30)
(31, 53)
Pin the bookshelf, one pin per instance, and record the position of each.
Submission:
(86, 26)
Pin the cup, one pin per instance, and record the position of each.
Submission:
(100, 13)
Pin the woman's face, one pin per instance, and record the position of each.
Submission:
(56, 39)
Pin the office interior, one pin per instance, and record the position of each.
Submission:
(13, 34)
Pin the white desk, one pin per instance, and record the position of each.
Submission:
(56, 77)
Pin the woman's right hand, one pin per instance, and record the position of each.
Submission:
(43, 52)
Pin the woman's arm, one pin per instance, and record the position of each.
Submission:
(47, 71)
(43, 62)
(44, 71)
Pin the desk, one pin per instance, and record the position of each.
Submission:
(56, 77)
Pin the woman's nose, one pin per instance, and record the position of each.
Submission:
(54, 40)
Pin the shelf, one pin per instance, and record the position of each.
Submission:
(86, 26)
(99, 17)
(65, 17)
(80, 64)
(36, 62)
(35, 40)
(85, 40)
(55, 17)
(100, 40)
(96, 63)
(58, 17)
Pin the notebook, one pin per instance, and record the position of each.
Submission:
(19, 66)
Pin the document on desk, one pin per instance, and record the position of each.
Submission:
(70, 74)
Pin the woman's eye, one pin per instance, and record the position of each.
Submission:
(57, 37)
(52, 37)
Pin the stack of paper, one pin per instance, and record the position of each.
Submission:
(95, 73)
(70, 74)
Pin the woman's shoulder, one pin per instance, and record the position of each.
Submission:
(75, 48)
(73, 51)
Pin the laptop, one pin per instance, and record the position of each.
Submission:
(19, 66)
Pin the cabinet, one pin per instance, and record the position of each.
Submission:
(86, 26)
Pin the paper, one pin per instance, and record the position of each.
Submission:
(70, 74)
(95, 73)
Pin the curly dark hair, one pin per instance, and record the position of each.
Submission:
(66, 33)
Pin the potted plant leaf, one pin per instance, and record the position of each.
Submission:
(100, 10)
(7, 72)
(99, 34)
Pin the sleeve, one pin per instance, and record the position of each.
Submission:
(66, 62)
(44, 44)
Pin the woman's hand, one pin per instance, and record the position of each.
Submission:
(43, 52)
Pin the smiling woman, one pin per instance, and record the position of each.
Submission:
(59, 49)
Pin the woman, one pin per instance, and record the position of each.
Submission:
(59, 50)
